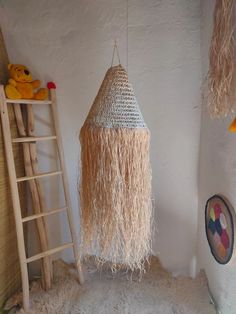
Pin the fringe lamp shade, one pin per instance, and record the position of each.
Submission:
(115, 184)
(221, 98)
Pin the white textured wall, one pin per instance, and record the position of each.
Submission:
(217, 174)
(71, 41)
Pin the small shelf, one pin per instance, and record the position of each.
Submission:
(28, 101)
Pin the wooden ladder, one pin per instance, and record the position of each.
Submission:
(19, 220)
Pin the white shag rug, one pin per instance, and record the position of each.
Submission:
(106, 293)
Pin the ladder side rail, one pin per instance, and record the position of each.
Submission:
(35, 167)
(15, 197)
(40, 223)
(65, 184)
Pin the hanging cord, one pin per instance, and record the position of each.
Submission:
(127, 34)
(115, 49)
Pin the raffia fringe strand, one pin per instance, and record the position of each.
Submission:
(115, 194)
(221, 95)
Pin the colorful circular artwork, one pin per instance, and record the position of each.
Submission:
(219, 228)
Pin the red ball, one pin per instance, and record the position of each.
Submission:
(51, 85)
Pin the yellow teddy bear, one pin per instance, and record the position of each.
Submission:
(21, 85)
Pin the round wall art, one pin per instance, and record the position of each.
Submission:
(220, 228)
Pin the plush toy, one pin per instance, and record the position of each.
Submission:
(21, 85)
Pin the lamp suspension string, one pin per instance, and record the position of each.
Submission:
(127, 34)
(115, 49)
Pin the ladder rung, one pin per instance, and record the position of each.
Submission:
(49, 252)
(42, 175)
(33, 139)
(51, 212)
(28, 101)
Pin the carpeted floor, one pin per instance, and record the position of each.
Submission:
(104, 293)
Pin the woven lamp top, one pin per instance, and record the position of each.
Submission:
(115, 105)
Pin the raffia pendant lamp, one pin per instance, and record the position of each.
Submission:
(221, 100)
(115, 184)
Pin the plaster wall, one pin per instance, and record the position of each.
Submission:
(217, 174)
(71, 42)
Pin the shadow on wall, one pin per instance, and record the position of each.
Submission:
(171, 244)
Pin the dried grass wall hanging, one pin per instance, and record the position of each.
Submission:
(221, 95)
(115, 184)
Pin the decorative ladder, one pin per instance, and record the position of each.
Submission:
(19, 220)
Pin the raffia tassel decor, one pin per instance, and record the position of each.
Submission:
(221, 92)
(115, 184)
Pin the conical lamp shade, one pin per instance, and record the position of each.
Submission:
(115, 184)
(115, 105)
